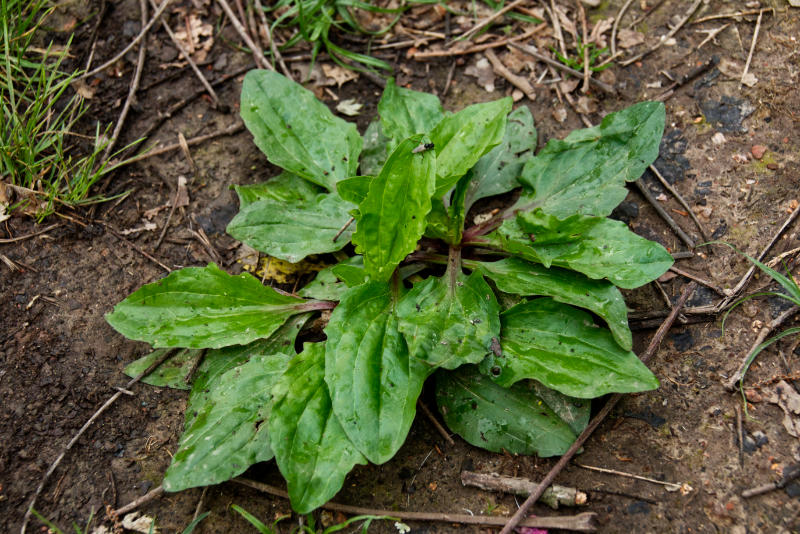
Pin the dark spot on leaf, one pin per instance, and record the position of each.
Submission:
(496, 370)
(258, 424)
(473, 405)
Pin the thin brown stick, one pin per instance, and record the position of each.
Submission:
(729, 15)
(730, 384)
(189, 60)
(652, 9)
(133, 43)
(485, 22)
(435, 422)
(420, 56)
(579, 523)
(517, 81)
(137, 76)
(651, 350)
(199, 507)
(343, 228)
(556, 26)
(701, 281)
(664, 38)
(554, 496)
(739, 434)
(677, 195)
(255, 49)
(274, 49)
(135, 247)
(136, 503)
(615, 26)
(169, 217)
(230, 130)
(671, 486)
(449, 79)
(663, 213)
(560, 66)
(585, 36)
(752, 48)
(83, 429)
(791, 472)
(28, 236)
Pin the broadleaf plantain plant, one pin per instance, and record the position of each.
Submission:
(519, 316)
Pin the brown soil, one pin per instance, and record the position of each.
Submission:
(59, 359)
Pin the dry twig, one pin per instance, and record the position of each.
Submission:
(595, 422)
(615, 26)
(669, 34)
(671, 486)
(488, 20)
(790, 473)
(517, 81)
(737, 14)
(255, 49)
(752, 48)
(554, 496)
(477, 48)
(663, 213)
(435, 422)
(274, 49)
(230, 130)
(17, 239)
(560, 66)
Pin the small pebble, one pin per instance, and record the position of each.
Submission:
(772, 166)
(758, 151)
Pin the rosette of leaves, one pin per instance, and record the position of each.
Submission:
(519, 317)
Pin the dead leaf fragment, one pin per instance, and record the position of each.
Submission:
(196, 37)
(138, 523)
(146, 227)
(560, 114)
(482, 70)
(339, 75)
(350, 107)
(586, 105)
(629, 38)
(787, 400)
(182, 196)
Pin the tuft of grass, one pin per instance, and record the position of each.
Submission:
(41, 156)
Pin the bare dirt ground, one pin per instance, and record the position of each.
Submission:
(60, 360)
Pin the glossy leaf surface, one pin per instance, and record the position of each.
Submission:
(586, 172)
(169, 374)
(298, 132)
(202, 307)
(312, 451)
(405, 112)
(498, 419)
(392, 217)
(449, 323)
(374, 383)
(293, 230)
(286, 187)
(513, 275)
(559, 346)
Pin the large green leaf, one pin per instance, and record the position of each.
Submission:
(374, 383)
(449, 321)
(312, 451)
(594, 246)
(559, 346)
(203, 307)
(298, 132)
(494, 418)
(514, 275)
(462, 138)
(405, 112)
(392, 217)
(375, 149)
(171, 373)
(355, 188)
(293, 230)
(286, 187)
(586, 172)
(228, 434)
(498, 171)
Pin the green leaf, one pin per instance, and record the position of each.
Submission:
(497, 172)
(392, 217)
(298, 132)
(461, 139)
(373, 382)
(572, 410)
(169, 374)
(293, 230)
(351, 273)
(355, 188)
(449, 322)
(286, 187)
(201, 308)
(497, 419)
(312, 451)
(586, 172)
(326, 285)
(229, 432)
(447, 224)
(559, 346)
(375, 149)
(513, 275)
(405, 112)
(595, 246)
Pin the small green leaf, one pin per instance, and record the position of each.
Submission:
(447, 224)
(312, 451)
(448, 323)
(461, 139)
(352, 272)
(497, 419)
(375, 149)
(229, 432)
(286, 187)
(354, 189)
(559, 346)
(293, 230)
(596, 247)
(586, 172)
(326, 285)
(513, 275)
(497, 172)
(392, 217)
(572, 410)
(405, 112)
(373, 382)
(169, 374)
(202, 308)
(298, 132)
